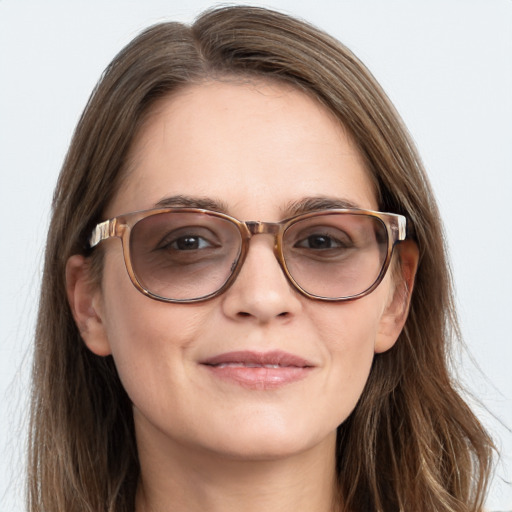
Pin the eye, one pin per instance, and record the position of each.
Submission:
(188, 243)
(320, 241)
(188, 239)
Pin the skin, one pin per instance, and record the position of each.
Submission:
(204, 443)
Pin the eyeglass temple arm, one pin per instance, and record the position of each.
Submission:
(400, 228)
(102, 231)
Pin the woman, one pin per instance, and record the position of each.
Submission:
(262, 337)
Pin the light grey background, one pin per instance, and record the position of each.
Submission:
(447, 65)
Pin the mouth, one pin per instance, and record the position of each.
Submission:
(258, 370)
(248, 365)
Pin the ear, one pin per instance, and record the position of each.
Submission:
(397, 308)
(85, 300)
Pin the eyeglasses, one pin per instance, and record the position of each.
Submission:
(185, 255)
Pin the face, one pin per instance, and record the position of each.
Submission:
(256, 149)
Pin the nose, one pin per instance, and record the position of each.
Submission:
(261, 291)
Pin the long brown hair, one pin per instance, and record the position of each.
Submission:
(411, 443)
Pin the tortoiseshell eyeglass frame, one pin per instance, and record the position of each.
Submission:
(121, 226)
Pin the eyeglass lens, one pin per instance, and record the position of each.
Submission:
(183, 256)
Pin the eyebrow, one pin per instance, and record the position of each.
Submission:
(317, 203)
(298, 207)
(203, 203)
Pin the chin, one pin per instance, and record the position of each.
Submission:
(265, 444)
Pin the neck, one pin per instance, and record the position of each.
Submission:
(191, 480)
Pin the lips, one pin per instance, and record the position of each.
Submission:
(258, 370)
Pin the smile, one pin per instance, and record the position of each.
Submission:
(254, 370)
(248, 365)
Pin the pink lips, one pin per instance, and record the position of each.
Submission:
(259, 370)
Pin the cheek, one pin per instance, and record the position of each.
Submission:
(349, 330)
(348, 333)
(148, 339)
(135, 322)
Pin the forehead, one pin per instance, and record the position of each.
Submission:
(254, 147)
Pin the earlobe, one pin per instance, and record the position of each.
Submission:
(84, 298)
(397, 309)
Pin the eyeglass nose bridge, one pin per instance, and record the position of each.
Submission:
(256, 227)
(260, 228)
